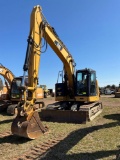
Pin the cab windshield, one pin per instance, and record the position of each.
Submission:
(86, 83)
(81, 83)
(15, 86)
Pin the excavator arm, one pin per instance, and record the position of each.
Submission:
(62, 52)
(39, 29)
(27, 122)
(8, 77)
(7, 74)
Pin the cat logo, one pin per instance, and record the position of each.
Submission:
(58, 45)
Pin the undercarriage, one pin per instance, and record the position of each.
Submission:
(75, 113)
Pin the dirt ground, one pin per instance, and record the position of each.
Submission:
(98, 139)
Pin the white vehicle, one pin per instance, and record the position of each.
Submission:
(108, 92)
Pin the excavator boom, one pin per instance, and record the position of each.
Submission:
(6, 73)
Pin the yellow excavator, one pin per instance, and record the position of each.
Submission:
(5, 93)
(11, 94)
(16, 95)
(46, 91)
(77, 95)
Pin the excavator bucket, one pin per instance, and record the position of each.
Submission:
(31, 128)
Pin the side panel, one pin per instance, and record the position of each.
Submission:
(60, 89)
(87, 99)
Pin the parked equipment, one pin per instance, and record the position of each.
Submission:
(82, 98)
(8, 77)
(46, 91)
(16, 95)
(52, 93)
(5, 93)
(11, 93)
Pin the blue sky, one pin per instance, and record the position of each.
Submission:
(90, 29)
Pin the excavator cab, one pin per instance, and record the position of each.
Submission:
(85, 83)
(86, 86)
(15, 91)
(15, 95)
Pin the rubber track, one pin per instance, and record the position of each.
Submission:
(41, 149)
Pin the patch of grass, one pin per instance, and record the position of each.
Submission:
(95, 140)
